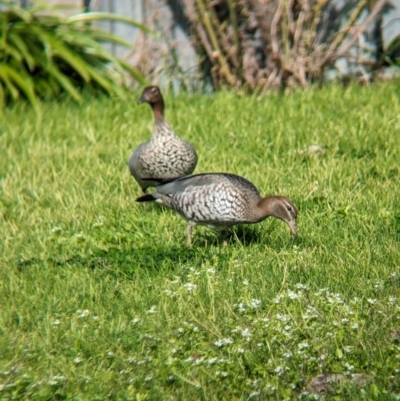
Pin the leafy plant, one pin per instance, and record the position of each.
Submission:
(43, 53)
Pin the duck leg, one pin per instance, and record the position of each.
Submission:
(223, 237)
(189, 230)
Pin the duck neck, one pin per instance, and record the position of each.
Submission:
(158, 111)
(263, 208)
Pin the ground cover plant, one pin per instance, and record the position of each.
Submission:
(100, 297)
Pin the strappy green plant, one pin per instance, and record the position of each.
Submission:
(43, 53)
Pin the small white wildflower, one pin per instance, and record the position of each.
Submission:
(212, 361)
(287, 327)
(279, 370)
(259, 345)
(371, 301)
(56, 322)
(245, 282)
(393, 275)
(345, 320)
(84, 313)
(254, 394)
(152, 310)
(392, 300)
(349, 367)
(292, 295)
(348, 349)
(180, 330)
(148, 378)
(246, 333)
(135, 320)
(95, 318)
(59, 378)
(190, 287)
(56, 230)
(240, 350)
(77, 360)
(241, 307)
(224, 374)
(303, 345)
(211, 271)
(255, 303)
(329, 334)
(287, 355)
(282, 318)
(109, 354)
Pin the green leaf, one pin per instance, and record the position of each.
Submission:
(19, 43)
(64, 82)
(99, 16)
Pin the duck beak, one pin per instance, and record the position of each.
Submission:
(293, 226)
(141, 100)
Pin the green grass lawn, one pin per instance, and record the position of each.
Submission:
(101, 298)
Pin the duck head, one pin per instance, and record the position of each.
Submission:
(281, 208)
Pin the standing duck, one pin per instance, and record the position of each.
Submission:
(220, 200)
(165, 156)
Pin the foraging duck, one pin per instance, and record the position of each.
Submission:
(165, 156)
(220, 200)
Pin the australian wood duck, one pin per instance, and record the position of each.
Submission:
(165, 156)
(220, 200)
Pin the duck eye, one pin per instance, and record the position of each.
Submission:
(289, 208)
(154, 90)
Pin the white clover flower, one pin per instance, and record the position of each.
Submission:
(180, 330)
(190, 287)
(287, 355)
(355, 326)
(371, 301)
(152, 310)
(212, 361)
(135, 320)
(56, 322)
(110, 354)
(345, 320)
(259, 345)
(287, 327)
(240, 350)
(77, 360)
(255, 303)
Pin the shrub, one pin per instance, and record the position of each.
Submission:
(275, 44)
(43, 54)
